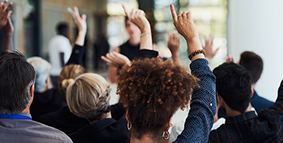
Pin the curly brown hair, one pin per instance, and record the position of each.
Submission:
(152, 91)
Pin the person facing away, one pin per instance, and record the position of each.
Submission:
(253, 63)
(17, 78)
(59, 49)
(234, 91)
(46, 99)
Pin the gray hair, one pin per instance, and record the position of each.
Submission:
(42, 69)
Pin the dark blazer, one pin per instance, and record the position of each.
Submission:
(64, 120)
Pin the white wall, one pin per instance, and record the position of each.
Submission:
(257, 25)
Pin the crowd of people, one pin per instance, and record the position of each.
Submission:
(224, 106)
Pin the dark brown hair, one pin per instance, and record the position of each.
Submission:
(253, 64)
(152, 91)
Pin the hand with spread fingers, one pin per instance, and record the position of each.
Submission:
(116, 59)
(229, 58)
(208, 47)
(186, 27)
(80, 21)
(5, 12)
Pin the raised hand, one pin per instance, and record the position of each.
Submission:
(208, 47)
(229, 58)
(186, 27)
(5, 12)
(80, 20)
(82, 26)
(116, 59)
(137, 16)
(174, 46)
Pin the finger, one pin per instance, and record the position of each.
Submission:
(215, 52)
(174, 16)
(9, 14)
(184, 15)
(188, 14)
(4, 4)
(212, 40)
(8, 7)
(126, 11)
(105, 59)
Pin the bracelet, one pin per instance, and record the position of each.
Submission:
(195, 53)
(145, 33)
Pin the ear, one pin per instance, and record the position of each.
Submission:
(220, 100)
(252, 92)
(127, 118)
(31, 91)
(168, 125)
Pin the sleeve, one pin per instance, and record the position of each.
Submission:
(77, 55)
(203, 105)
(147, 54)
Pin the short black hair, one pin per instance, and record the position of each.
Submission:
(62, 27)
(16, 77)
(253, 63)
(233, 84)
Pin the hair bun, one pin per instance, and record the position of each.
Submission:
(66, 83)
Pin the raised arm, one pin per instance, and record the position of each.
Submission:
(174, 45)
(137, 16)
(6, 26)
(203, 103)
(79, 49)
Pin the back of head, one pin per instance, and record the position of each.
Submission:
(233, 84)
(16, 78)
(68, 74)
(42, 69)
(253, 63)
(152, 91)
(88, 96)
(62, 28)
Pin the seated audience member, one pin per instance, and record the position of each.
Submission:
(63, 119)
(233, 85)
(253, 63)
(17, 92)
(46, 99)
(153, 90)
(88, 97)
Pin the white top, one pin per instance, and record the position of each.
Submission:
(58, 44)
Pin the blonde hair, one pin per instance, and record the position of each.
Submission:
(88, 96)
(67, 75)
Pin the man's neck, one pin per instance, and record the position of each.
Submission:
(232, 113)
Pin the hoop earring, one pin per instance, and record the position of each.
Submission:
(166, 135)
(129, 126)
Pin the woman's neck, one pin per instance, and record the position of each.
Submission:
(134, 40)
(107, 115)
(145, 139)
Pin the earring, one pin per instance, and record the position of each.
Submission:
(165, 135)
(129, 126)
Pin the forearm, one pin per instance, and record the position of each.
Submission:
(146, 39)
(81, 38)
(7, 44)
(176, 59)
(112, 73)
(193, 45)
(77, 55)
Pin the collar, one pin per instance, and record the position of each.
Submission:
(97, 126)
(240, 118)
(22, 116)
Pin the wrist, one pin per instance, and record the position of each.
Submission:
(146, 30)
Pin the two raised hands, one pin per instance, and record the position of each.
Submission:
(136, 16)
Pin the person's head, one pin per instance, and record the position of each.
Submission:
(131, 28)
(152, 91)
(42, 69)
(88, 96)
(253, 63)
(68, 74)
(16, 83)
(62, 28)
(233, 85)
